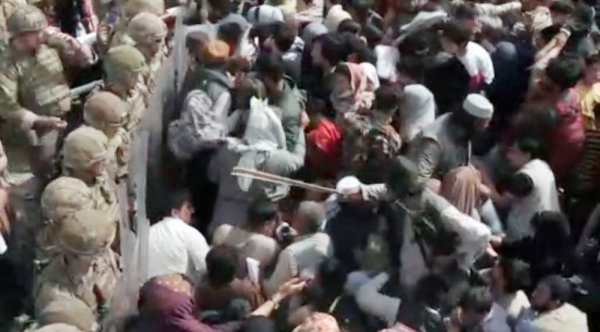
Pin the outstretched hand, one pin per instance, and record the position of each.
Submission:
(289, 288)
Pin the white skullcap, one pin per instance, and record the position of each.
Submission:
(264, 14)
(335, 16)
(348, 184)
(478, 106)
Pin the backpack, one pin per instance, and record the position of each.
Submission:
(197, 128)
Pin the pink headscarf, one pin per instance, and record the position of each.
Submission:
(359, 98)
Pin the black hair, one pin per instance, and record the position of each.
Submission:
(583, 16)
(411, 66)
(359, 48)
(179, 198)
(373, 34)
(562, 7)
(270, 64)
(315, 105)
(334, 48)
(565, 71)
(221, 265)
(387, 98)
(532, 146)
(261, 211)
(516, 274)
(456, 32)
(592, 60)
(552, 226)
(231, 33)
(560, 290)
(431, 290)
(349, 25)
(548, 33)
(415, 44)
(284, 36)
(465, 12)
(478, 300)
(248, 88)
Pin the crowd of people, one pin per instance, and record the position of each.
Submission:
(327, 166)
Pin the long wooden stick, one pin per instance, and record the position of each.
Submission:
(272, 178)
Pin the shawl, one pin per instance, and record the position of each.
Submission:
(360, 97)
(264, 133)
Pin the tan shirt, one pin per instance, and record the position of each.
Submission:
(251, 245)
(567, 318)
(305, 254)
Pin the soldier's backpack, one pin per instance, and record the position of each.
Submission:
(198, 127)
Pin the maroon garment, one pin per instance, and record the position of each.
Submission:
(165, 310)
(213, 298)
(567, 137)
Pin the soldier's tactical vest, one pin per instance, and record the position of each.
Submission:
(43, 87)
(429, 231)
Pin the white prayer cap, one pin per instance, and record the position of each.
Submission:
(478, 106)
(348, 184)
(336, 15)
(264, 14)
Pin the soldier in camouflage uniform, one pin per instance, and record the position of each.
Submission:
(86, 269)
(107, 112)
(7, 8)
(113, 26)
(60, 199)
(67, 313)
(84, 157)
(123, 67)
(34, 91)
(147, 32)
(369, 140)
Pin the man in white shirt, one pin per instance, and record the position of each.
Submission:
(176, 247)
(455, 40)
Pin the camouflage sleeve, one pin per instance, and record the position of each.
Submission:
(72, 52)
(10, 109)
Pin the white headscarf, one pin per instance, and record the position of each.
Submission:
(417, 110)
(264, 133)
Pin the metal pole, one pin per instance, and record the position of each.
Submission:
(84, 88)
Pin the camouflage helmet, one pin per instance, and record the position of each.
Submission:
(26, 19)
(84, 147)
(86, 232)
(64, 196)
(145, 27)
(105, 110)
(123, 60)
(57, 327)
(71, 311)
(133, 7)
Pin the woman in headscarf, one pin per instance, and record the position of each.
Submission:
(262, 147)
(166, 305)
(351, 92)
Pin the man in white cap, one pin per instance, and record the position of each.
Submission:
(446, 143)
